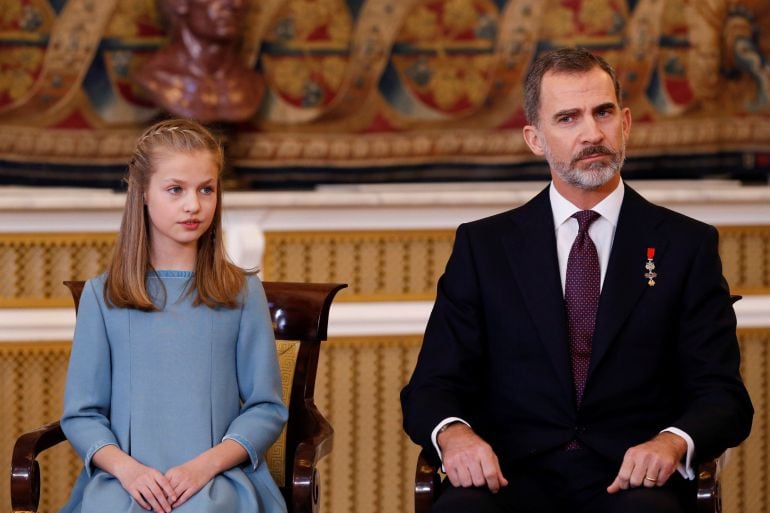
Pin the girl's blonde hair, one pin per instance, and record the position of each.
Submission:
(216, 281)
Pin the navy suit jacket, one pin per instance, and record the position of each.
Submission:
(495, 351)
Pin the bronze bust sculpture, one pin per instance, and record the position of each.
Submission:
(200, 73)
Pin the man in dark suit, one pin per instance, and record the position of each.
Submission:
(581, 355)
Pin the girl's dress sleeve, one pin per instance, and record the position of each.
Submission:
(262, 414)
(88, 390)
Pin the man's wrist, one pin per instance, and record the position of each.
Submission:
(439, 427)
(446, 426)
(684, 436)
(677, 441)
(684, 466)
(447, 429)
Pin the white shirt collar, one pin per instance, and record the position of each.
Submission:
(608, 208)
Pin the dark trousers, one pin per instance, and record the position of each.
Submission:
(567, 481)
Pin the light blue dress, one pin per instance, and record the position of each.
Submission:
(165, 386)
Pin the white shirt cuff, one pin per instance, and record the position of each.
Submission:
(434, 436)
(685, 469)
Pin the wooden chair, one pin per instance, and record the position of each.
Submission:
(427, 481)
(300, 314)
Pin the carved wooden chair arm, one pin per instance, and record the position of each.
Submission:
(709, 488)
(427, 484)
(25, 470)
(305, 483)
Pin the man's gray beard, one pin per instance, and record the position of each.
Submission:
(593, 177)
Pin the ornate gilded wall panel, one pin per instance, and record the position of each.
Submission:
(377, 265)
(371, 467)
(746, 477)
(358, 385)
(34, 265)
(31, 390)
(745, 254)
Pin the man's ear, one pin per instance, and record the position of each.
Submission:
(534, 139)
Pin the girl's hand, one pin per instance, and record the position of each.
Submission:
(188, 478)
(149, 488)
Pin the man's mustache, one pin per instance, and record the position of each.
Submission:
(590, 151)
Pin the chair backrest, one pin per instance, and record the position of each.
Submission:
(300, 315)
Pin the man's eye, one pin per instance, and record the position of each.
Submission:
(564, 119)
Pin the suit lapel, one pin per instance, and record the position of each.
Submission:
(624, 282)
(531, 251)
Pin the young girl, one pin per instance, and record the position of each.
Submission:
(173, 390)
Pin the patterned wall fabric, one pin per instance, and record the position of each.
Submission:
(386, 90)
(34, 265)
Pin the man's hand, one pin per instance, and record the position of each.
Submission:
(651, 463)
(469, 460)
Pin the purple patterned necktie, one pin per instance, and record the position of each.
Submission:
(581, 296)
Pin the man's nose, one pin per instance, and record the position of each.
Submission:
(592, 133)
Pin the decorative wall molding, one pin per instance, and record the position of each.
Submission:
(386, 206)
(346, 319)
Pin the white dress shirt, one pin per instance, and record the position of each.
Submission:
(602, 233)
